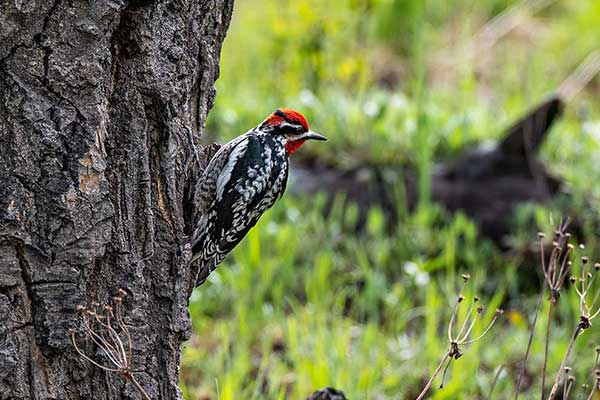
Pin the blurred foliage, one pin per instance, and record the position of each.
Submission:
(305, 301)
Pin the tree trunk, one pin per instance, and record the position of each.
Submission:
(100, 103)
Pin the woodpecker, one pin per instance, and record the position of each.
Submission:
(241, 181)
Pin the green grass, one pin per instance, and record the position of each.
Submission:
(306, 302)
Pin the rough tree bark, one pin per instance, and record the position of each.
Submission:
(99, 101)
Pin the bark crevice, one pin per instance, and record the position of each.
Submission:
(27, 281)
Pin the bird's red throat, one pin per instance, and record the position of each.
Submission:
(292, 146)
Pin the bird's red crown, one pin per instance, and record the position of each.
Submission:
(289, 115)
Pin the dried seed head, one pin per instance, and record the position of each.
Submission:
(581, 246)
(597, 266)
(567, 370)
(95, 305)
(107, 308)
(122, 292)
(480, 309)
(585, 259)
(555, 245)
(117, 299)
(572, 279)
(570, 246)
(458, 354)
(584, 322)
(80, 308)
(466, 277)
(589, 275)
(598, 350)
(71, 331)
(571, 378)
(541, 235)
(476, 299)
(567, 235)
(460, 298)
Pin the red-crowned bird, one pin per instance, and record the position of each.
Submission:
(241, 181)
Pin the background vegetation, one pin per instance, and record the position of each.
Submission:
(306, 301)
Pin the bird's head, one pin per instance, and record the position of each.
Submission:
(292, 126)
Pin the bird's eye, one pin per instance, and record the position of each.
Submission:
(290, 129)
(300, 128)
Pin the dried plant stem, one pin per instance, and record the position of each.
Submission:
(584, 73)
(554, 390)
(435, 374)
(138, 386)
(101, 331)
(494, 382)
(547, 345)
(462, 338)
(591, 396)
(567, 388)
(530, 341)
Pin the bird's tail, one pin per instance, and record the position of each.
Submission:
(206, 267)
(207, 256)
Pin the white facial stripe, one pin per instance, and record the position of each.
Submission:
(293, 138)
(291, 125)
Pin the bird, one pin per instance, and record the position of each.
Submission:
(244, 178)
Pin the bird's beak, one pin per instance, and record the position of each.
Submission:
(314, 136)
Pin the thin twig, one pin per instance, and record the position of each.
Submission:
(82, 354)
(138, 386)
(485, 331)
(568, 386)
(445, 372)
(554, 390)
(493, 385)
(546, 347)
(584, 73)
(595, 387)
(530, 341)
(108, 340)
(435, 374)
(461, 338)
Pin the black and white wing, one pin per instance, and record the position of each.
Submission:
(238, 187)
